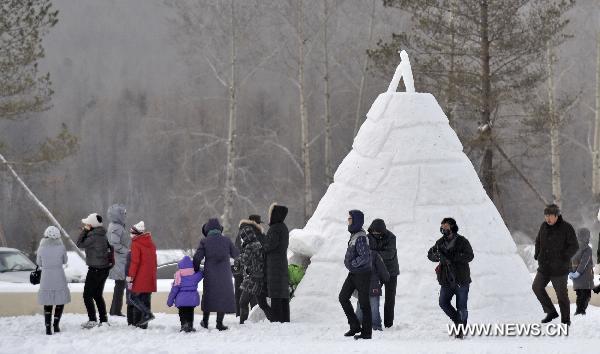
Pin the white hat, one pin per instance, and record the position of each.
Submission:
(93, 220)
(138, 228)
(52, 232)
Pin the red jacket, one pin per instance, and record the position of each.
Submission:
(142, 268)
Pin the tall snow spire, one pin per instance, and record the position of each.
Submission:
(403, 71)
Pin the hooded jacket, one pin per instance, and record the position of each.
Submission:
(582, 262)
(119, 239)
(385, 244)
(275, 245)
(358, 254)
(184, 291)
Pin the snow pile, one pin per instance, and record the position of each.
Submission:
(75, 269)
(408, 168)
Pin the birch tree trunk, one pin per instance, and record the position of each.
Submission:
(41, 205)
(328, 163)
(229, 189)
(596, 148)
(554, 127)
(487, 163)
(363, 73)
(308, 202)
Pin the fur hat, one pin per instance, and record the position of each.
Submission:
(138, 228)
(52, 232)
(94, 220)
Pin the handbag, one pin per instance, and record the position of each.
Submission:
(35, 276)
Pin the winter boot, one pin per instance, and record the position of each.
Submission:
(58, 311)
(204, 322)
(89, 324)
(221, 327)
(549, 317)
(47, 320)
(147, 317)
(352, 332)
(596, 289)
(362, 336)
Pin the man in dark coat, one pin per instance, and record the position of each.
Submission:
(251, 229)
(453, 252)
(275, 245)
(383, 242)
(217, 294)
(555, 245)
(358, 262)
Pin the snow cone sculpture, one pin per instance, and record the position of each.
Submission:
(407, 167)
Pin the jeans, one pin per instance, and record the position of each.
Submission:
(375, 316)
(362, 283)
(560, 287)
(92, 292)
(459, 314)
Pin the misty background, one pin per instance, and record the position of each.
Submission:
(140, 84)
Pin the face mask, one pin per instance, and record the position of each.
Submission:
(444, 232)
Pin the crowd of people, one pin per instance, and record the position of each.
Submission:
(260, 271)
(129, 258)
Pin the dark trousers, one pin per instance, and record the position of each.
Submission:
(280, 310)
(360, 282)
(141, 304)
(92, 292)
(116, 307)
(186, 315)
(560, 287)
(460, 314)
(583, 299)
(390, 301)
(261, 300)
(237, 281)
(220, 317)
(245, 299)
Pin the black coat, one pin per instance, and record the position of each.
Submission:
(555, 245)
(454, 261)
(275, 244)
(379, 274)
(385, 245)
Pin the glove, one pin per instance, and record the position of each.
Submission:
(574, 275)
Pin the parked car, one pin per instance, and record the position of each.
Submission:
(15, 267)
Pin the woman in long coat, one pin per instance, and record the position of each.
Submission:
(218, 293)
(51, 255)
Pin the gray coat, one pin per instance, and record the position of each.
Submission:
(119, 239)
(217, 293)
(51, 255)
(95, 244)
(582, 262)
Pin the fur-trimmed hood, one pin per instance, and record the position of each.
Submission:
(251, 222)
(277, 213)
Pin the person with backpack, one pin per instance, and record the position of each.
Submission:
(582, 273)
(93, 240)
(453, 252)
(379, 275)
(358, 262)
(184, 293)
(217, 294)
(119, 240)
(141, 275)
(50, 257)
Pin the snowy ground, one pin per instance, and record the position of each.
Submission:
(25, 334)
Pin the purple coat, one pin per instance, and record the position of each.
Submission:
(217, 293)
(186, 293)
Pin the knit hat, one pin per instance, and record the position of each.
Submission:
(94, 220)
(52, 232)
(138, 228)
